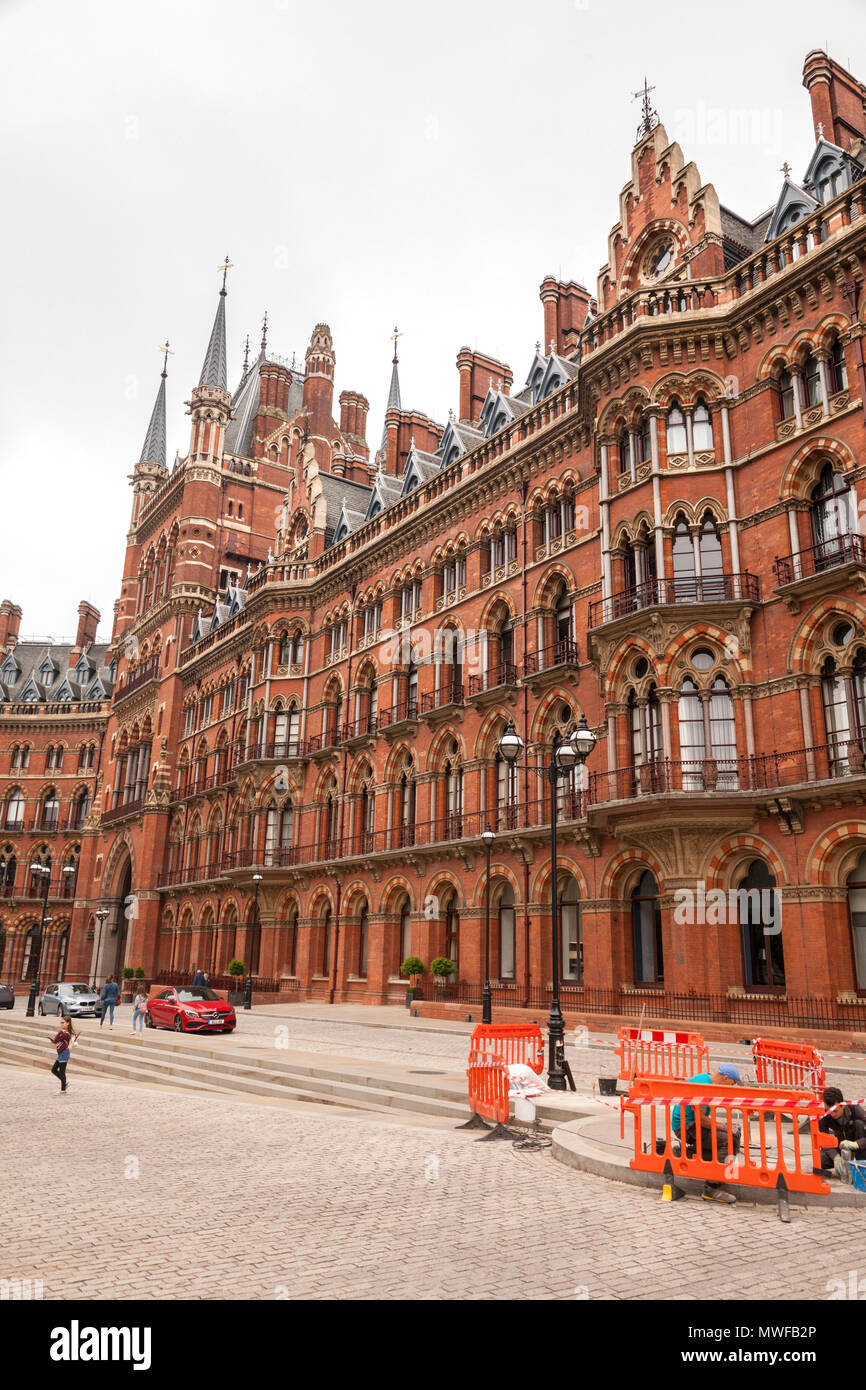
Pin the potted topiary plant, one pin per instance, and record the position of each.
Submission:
(412, 968)
(236, 969)
(442, 969)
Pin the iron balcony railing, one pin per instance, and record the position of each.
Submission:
(563, 652)
(842, 550)
(713, 588)
(503, 674)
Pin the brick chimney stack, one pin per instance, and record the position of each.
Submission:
(10, 623)
(476, 370)
(838, 101)
(565, 308)
(88, 624)
(319, 381)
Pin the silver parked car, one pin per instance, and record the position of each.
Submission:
(7, 997)
(77, 1000)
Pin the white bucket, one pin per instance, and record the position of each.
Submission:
(524, 1110)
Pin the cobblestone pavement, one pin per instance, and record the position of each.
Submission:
(131, 1193)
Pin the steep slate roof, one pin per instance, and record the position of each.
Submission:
(245, 404)
(393, 398)
(335, 490)
(30, 656)
(214, 372)
(154, 450)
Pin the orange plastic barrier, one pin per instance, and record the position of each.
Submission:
(653, 1052)
(488, 1086)
(759, 1163)
(514, 1042)
(789, 1064)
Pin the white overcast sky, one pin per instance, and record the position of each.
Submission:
(362, 164)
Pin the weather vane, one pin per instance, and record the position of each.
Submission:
(226, 266)
(265, 331)
(649, 116)
(166, 353)
(394, 336)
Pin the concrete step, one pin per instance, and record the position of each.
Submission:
(177, 1067)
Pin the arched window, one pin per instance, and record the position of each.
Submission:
(405, 944)
(50, 810)
(325, 958)
(28, 959)
(363, 941)
(563, 620)
(62, 948)
(507, 798)
(452, 931)
(643, 440)
(712, 562)
(406, 805)
(837, 371)
(623, 451)
(411, 692)
(702, 426)
(278, 833)
(683, 562)
(830, 517)
(786, 395)
(838, 710)
(692, 743)
(8, 868)
(506, 933)
(812, 380)
(760, 919)
(14, 817)
(723, 736)
(453, 793)
(856, 884)
(645, 722)
(570, 929)
(676, 430)
(367, 815)
(647, 932)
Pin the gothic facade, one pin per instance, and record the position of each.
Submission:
(317, 646)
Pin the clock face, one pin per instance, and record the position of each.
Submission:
(660, 258)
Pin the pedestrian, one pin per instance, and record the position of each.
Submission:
(702, 1119)
(199, 978)
(63, 1041)
(138, 1004)
(110, 995)
(848, 1123)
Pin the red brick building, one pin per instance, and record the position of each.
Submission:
(318, 647)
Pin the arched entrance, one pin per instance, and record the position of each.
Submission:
(109, 947)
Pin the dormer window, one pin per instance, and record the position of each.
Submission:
(9, 671)
(47, 673)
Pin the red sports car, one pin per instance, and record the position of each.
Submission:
(190, 1008)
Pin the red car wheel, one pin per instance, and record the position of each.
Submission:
(178, 1023)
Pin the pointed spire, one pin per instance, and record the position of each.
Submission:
(265, 333)
(394, 389)
(213, 373)
(246, 354)
(154, 441)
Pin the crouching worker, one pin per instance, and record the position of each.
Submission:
(848, 1123)
(693, 1122)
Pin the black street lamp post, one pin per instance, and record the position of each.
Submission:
(486, 1002)
(565, 755)
(248, 990)
(101, 914)
(44, 871)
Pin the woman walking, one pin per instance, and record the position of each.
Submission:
(138, 1004)
(110, 995)
(63, 1041)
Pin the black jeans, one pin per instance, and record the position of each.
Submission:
(59, 1070)
(707, 1142)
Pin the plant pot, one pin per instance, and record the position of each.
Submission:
(607, 1085)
